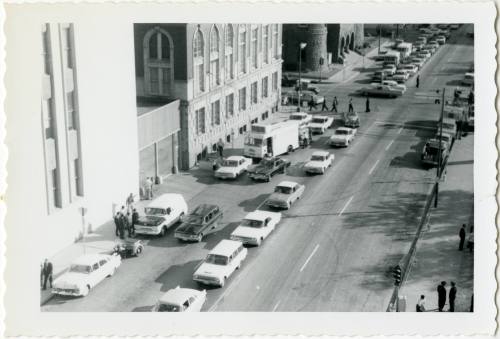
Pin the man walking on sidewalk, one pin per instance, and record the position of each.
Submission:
(335, 102)
(452, 296)
(418, 80)
(441, 289)
(461, 234)
(367, 105)
(324, 107)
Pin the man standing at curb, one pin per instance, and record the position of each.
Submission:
(441, 289)
(47, 273)
(452, 296)
(461, 234)
(335, 102)
(351, 107)
(367, 105)
(418, 80)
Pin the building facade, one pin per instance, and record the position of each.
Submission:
(226, 76)
(326, 44)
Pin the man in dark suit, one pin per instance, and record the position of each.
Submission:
(47, 273)
(441, 295)
(452, 296)
(135, 219)
(117, 223)
(461, 234)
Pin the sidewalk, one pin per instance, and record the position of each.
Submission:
(437, 257)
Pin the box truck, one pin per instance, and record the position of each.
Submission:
(272, 139)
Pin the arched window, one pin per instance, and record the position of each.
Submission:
(199, 62)
(229, 52)
(276, 48)
(242, 48)
(214, 57)
(158, 54)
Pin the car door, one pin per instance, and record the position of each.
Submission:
(96, 275)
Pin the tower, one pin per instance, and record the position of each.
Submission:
(315, 37)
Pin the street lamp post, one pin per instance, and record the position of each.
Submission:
(302, 45)
(440, 160)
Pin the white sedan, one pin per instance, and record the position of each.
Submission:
(85, 273)
(319, 162)
(343, 136)
(285, 194)
(320, 123)
(410, 68)
(232, 167)
(255, 227)
(400, 76)
(389, 69)
(181, 300)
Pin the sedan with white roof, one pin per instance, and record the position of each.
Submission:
(343, 136)
(320, 161)
(232, 167)
(255, 227)
(320, 123)
(410, 68)
(181, 300)
(400, 76)
(285, 194)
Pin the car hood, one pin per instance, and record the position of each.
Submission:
(279, 196)
(261, 170)
(70, 280)
(187, 228)
(248, 232)
(314, 164)
(211, 270)
(338, 137)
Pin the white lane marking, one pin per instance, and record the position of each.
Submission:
(373, 167)
(387, 147)
(345, 206)
(276, 306)
(310, 256)
(400, 130)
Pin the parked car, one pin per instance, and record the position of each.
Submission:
(410, 68)
(417, 61)
(319, 162)
(306, 97)
(343, 136)
(379, 75)
(468, 79)
(255, 227)
(161, 214)
(203, 220)
(445, 137)
(320, 123)
(454, 26)
(232, 167)
(85, 273)
(389, 69)
(449, 127)
(423, 54)
(303, 118)
(394, 84)
(351, 119)
(268, 167)
(181, 300)
(225, 258)
(441, 39)
(400, 76)
(382, 90)
(285, 194)
(128, 248)
(431, 155)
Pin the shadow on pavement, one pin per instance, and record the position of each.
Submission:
(178, 275)
(250, 205)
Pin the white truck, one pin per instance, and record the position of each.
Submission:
(272, 139)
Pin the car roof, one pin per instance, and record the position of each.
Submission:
(300, 113)
(225, 247)
(234, 157)
(344, 129)
(259, 215)
(165, 199)
(204, 209)
(287, 184)
(321, 153)
(177, 295)
(89, 259)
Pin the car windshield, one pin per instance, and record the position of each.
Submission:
(150, 220)
(230, 163)
(252, 223)
(296, 117)
(319, 120)
(154, 211)
(169, 308)
(267, 163)
(341, 132)
(317, 158)
(216, 259)
(80, 268)
(283, 189)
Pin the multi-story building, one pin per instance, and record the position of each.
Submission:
(226, 76)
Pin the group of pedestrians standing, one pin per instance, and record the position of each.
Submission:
(126, 218)
(441, 290)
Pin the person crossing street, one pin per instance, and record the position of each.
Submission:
(335, 102)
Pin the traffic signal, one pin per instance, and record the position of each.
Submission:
(397, 275)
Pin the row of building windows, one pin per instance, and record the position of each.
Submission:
(215, 109)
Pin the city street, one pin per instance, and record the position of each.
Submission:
(335, 248)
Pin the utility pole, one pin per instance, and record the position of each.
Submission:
(302, 45)
(379, 34)
(440, 160)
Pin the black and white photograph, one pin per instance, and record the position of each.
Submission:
(248, 167)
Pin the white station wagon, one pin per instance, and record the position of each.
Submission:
(285, 194)
(343, 136)
(319, 162)
(85, 273)
(181, 300)
(220, 263)
(256, 226)
(232, 167)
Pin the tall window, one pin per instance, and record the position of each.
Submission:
(275, 81)
(200, 120)
(275, 41)
(229, 105)
(264, 87)
(254, 47)
(215, 112)
(242, 97)
(214, 58)
(253, 93)
(199, 69)
(158, 62)
(229, 52)
(242, 51)
(265, 42)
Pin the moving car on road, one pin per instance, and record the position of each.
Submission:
(86, 272)
(306, 97)
(162, 213)
(320, 123)
(320, 161)
(220, 263)
(285, 194)
(267, 168)
(205, 219)
(181, 300)
(351, 119)
(303, 118)
(382, 90)
(343, 136)
(430, 153)
(401, 76)
(410, 68)
(232, 167)
(255, 227)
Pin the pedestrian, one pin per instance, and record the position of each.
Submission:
(441, 289)
(130, 201)
(311, 105)
(129, 224)
(117, 221)
(215, 165)
(421, 304)
(149, 188)
(220, 147)
(459, 129)
(461, 234)
(470, 241)
(135, 219)
(367, 105)
(451, 296)
(418, 81)
(47, 273)
(324, 107)
(471, 309)
(335, 102)
(351, 107)
(123, 225)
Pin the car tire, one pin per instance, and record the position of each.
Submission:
(163, 231)
(139, 250)
(259, 242)
(323, 170)
(290, 149)
(86, 291)
(268, 178)
(200, 237)
(223, 282)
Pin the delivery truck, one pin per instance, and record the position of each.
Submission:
(272, 139)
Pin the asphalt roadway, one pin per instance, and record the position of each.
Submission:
(334, 249)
